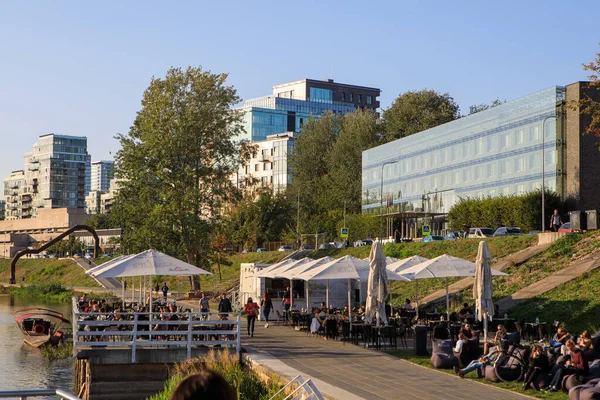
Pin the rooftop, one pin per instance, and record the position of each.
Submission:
(327, 81)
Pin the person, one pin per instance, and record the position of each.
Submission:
(499, 337)
(165, 290)
(575, 365)
(286, 302)
(465, 312)
(559, 340)
(555, 221)
(584, 342)
(459, 343)
(496, 309)
(407, 305)
(323, 305)
(224, 305)
(205, 385)
(267, 306)
(204, 306)
(156, 288)
(251, 311)
(473, 365)
(538, 362)
(467, 331)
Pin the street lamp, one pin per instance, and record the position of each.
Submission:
(543, 169)
(381, 200)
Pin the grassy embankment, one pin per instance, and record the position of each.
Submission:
(514, 386)
(245, 382)
(47, 270)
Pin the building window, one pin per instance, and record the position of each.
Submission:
(351, 98)
(369, 99)
(359, 99)
(257, 167)
(325, 95)
(343, 96)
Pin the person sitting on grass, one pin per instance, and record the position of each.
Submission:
(473, 365)
(575, 365)
(538, 362)
(584, 342)
(559, 340)
(499, 337)
(467, 331)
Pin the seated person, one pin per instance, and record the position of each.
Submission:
(473, 365)
(465, 312)
(323, 305)
(407, 305)
(345, 312)
(538, 363)
(584, 342)
(575, 365)
(440, 331)
(322, 315)
(467, 331)
(560, 339)
(499, 337)
(459, 343)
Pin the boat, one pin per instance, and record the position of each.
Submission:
(41, 325)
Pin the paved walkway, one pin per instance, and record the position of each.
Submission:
(364, 373)
(573, 271)
(513, 259)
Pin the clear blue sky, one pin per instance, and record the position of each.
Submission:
(79, 68)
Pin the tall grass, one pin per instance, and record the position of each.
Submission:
(243, 380)
(53, 292)
(53, 353)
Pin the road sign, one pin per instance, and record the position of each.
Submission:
(344, 233)
(426, 230)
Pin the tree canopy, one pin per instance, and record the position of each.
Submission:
(175, 164)
(475, 108)
(416, 111)
(590, 105)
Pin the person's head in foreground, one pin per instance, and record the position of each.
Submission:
(207, 385)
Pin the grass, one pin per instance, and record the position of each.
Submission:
(47, 270)
(51, 292)
(244, 381)
(60, 352)
(423, 361)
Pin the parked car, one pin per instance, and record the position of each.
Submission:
(326, 246)
(307, 247)
(364, 242)
(566, 228)
(406, 240)
(285, 248)
(504, 231)
(261, 250)
(533, 232)
(480, 232)
(89, 255)
(452, 236)
(432, 238)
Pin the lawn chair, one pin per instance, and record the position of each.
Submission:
(279, 317)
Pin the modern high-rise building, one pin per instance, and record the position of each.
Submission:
(101, 175)
(2, 209)
(273, 121)
(54, 177)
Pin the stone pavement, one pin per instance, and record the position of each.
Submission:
(364, 373)
(512, 259)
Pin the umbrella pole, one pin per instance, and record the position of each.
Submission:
(417, 296)
(485, 328)
(133, 290)
(306, 288)
(349, 306)
(123, 292)
(447, 302)
(327, 294)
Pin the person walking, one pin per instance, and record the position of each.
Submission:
(267, 306)
(555, 221)
(251, 311)
(224, 305)
(204, 306)
(165, 290)
(286, 302)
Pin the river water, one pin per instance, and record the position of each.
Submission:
(22, 366)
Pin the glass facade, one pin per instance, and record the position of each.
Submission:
(319, 94)
(493, 152)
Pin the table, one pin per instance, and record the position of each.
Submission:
(534, 327)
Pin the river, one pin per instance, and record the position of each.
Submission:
(22, 366)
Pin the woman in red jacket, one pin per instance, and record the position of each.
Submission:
(251, 311)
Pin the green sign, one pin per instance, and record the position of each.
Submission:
(426, 230)
(344, 233)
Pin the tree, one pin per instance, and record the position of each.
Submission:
(480, 107)
(100, 221)
(218, 255)
(589, 105)
(175, 165)
(416, 111)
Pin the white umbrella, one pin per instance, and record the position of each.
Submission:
(444, 266)
(106, 264)
(405, 263)
(307, 266)
(482, 287)
(283, 268)
(264, 273)
(377, 287)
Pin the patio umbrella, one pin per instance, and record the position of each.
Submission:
(482, 287)
(264, 273)
(307, 266)
(400, 265)
(444, 266)
(377, 286)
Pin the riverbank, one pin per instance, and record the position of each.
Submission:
(52, 292)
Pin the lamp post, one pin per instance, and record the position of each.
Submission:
(543, 169)
(381, 200)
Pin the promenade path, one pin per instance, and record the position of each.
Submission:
(345, 371)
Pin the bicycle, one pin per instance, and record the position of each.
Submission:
(510, 366)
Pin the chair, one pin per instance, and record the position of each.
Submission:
(331, 329)
(279, 317)
(345, 331)
(401, 332)
(388, 334)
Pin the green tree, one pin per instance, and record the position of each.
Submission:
(416, 111)
(175, 164)
(100, 221)
(589, 105)
(475, 108)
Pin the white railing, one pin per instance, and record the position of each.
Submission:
(24, 394)
(305, 390)
(148, 330)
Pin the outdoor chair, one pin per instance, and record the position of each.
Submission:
(389, 335)
(345, 331)
(331, 329)
(280, 317)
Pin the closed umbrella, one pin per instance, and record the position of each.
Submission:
(482, 287)
(377, 285)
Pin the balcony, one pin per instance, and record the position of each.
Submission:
(33, 167)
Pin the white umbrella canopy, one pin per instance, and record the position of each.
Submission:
(106, 264)
(307, 266)
(377, 286)
(281, 269)
(405, 263)
(482, 287)
(149, 262)
(346, 267)
(266, 271)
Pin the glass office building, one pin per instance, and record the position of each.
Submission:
(493, 152)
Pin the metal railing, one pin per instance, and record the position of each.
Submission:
(24, 394)
(305, 390)
(152, 330)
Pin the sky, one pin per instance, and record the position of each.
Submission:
(80, 68)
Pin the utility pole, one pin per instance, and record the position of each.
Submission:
(298, 224)
(344, 213)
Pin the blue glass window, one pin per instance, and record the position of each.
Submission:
(318, 94)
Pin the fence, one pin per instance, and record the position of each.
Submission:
(152, 330)
(304, 390)
(24, 394)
